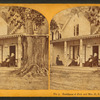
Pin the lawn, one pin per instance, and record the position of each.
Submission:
(22, 83)
(75, 78)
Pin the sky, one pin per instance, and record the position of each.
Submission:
(64, 15)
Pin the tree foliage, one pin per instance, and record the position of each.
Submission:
(53, 25)
(15, 15)
(92, 13)
(24, 14)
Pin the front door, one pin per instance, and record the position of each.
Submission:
(95, 50)
(75, 51)
(12, 50)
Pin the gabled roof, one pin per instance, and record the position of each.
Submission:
(10, 36)
(67, 21)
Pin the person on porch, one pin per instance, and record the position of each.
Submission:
(89, 61)
(95, 60)
(75, 62)
(92, 61)
(58, 61)
(6, 62)
(12, 60)
(9, 61)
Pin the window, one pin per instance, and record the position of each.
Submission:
(76, 30)
(52, 35)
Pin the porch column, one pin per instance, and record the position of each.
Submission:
(99, 53)
(51, 54)
(81, 52)
(65, 53)
(19, 51)
(1, 53)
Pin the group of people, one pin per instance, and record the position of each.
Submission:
(9, 61)
(92, 61)
(70, 62)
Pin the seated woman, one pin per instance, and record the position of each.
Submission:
(6, 62)
(78, 60)
(95, 60)
(12, 60)
(88, 62)
(75, 62)
(58, 62)
(92, 61)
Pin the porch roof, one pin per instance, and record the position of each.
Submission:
(76, 38)
(21, 35)
(9, 36)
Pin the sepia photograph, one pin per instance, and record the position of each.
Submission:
(75, 49)
(23, 49)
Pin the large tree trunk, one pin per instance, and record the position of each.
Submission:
(35, 57)
(35, 54)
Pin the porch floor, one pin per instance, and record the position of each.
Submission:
(75, 78)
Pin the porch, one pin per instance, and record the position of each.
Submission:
(84, 46)
(10, 44)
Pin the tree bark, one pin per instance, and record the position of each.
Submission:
(35, 54)
(35, 57)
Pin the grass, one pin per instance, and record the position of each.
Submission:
(74, 78)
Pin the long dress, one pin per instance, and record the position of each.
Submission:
(88, 63)
(92, 62)
(5, 63)
(73, 63)
(95, 61)
(58, 62)
(12, 61)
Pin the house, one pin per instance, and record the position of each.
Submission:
(78, 37)
(13, 42)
